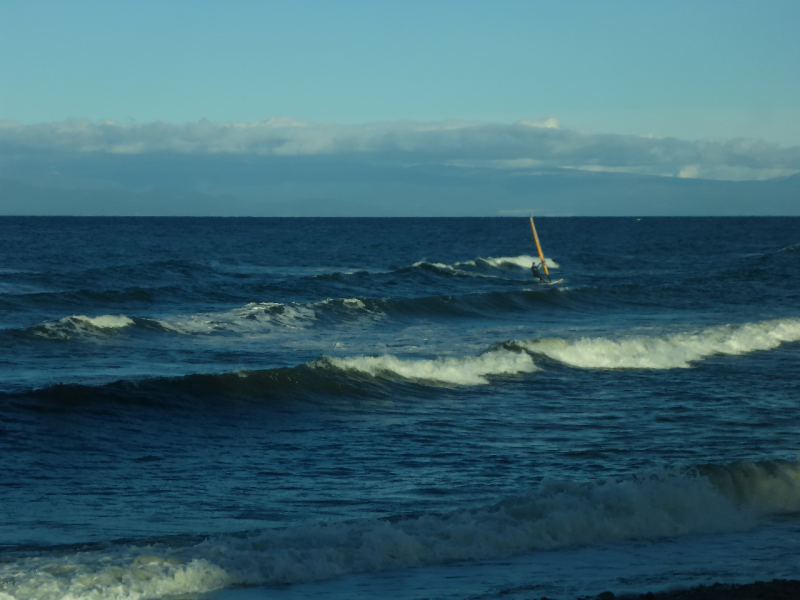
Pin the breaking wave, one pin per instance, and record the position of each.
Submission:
(375, 375)
(448, 371)
(522, 261)
(555, 514)
(484, 267)
(247, 318)
(254, 315)
(118, 574)
(81, 325)
(790, 249)
(257, 315)
(262, 316)
(326, 377)
(675, 351)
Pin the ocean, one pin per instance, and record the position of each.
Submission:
(241, 408)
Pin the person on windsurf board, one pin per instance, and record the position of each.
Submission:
(542, 260)
(536, 273)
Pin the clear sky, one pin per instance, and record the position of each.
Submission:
(693, 69)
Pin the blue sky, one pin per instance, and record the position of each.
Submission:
(446, 107)
(696, 70)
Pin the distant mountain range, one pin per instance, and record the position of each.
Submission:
(237, 185)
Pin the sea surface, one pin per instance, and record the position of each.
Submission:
(236, 408)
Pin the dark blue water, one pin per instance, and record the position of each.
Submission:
(298, 408)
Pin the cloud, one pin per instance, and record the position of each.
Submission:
(528, 145)
(689, 172)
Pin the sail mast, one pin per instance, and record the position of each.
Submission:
(539, 248)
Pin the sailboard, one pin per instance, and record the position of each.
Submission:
(542, 259)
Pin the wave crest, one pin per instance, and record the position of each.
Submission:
(354, 374)
(132, 575)
(254, 315)
(81, 325)
(555, 515)
(706, 499)
(676, 351)
(483, 267)
(522, 261)
(448, 371)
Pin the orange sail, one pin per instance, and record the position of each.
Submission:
(539, 248)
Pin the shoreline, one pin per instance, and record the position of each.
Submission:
(776, 589)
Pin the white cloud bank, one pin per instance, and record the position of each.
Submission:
(525, 145)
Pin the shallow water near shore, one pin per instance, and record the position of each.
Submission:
(627, 568)
(306, 408)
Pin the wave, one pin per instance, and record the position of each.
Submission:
(306, 382)
(675, 351)
(555, 514)
(82, 326)
(325, 378)
(259, 316)
(447, 371)
(522, 261)
(262, 316)
(375, 375)
(478, 267)
(790, 249)
(484, 267)
(680, 350)
(118, 574)
(169, 270)
(248, 318)
(252, 316)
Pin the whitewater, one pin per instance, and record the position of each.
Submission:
(230, 409)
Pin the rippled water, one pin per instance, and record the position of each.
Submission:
(366, 407)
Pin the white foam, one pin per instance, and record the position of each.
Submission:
(285, 315)
(450, 371)
(712, 499)
(771, 488)
(523, 262)
(350, 303)
(673, 351)
(556, 515)
(134, 574)
(107, 321)
(354, 303)
(251, 317)
(441, 267)
(257, 317)
(69, 327)
(467, 267)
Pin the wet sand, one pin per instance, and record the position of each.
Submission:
(778, 589)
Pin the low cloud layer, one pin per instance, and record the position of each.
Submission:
(525, 146)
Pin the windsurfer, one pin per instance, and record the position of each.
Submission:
(542, 263)
(536, 272)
